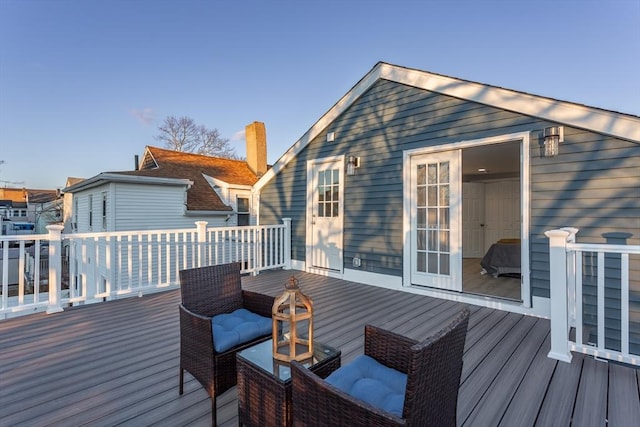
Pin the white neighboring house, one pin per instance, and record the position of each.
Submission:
(170, 190)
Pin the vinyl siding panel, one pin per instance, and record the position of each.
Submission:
(154, 207)
(593, 184)
(83, 198)
(285, 197)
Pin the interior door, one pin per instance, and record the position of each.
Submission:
(473, 220)
(435, 215)
(502, 211)
(326, 215)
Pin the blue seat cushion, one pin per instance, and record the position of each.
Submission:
(369, 380)
(238, 327)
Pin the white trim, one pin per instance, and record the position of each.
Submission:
(325, 272)
(562, 112)
(525, 217)
(298, 265)
(227, 191)
(499, 139)
(345, 102)
(578, 115)
(107, 177)
(376, 279)
(539, 309)
(223, 184)
(525, 190)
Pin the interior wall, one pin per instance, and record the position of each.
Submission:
(501, 216)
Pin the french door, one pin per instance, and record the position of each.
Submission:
(435, 215)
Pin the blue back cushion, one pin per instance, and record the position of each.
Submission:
(238, 327)
(369, 380)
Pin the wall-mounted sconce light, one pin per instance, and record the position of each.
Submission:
(331, 136)
(353, 163)
(552, 137)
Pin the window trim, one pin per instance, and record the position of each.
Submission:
(243, 214)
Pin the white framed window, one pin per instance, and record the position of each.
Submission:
(90, 211)
(74, 223)
(104, 210)
(242, 204)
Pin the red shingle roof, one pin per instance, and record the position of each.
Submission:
(161, 163)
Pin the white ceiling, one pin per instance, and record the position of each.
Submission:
(498, 159)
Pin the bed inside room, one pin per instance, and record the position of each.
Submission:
(491, 221)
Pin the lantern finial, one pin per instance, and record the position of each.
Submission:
(292, 283)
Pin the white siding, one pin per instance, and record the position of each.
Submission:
(138, 207)
(154, 207)
(83, 209)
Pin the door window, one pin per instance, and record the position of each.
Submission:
(433, 218)
(328, 193)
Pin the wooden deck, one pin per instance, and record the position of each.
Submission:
(116, 363)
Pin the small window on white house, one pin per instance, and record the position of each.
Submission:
(90, 211)
(104, 210)
(74, 223)
(243, 211)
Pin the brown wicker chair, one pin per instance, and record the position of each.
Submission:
(206, 292)
(433, 369)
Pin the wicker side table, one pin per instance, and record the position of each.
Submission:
(264, 384)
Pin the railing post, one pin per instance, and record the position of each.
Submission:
(571, 277)
(55, 268)
(287, 243)
(258, 243)
(558, 295)
(202, 239)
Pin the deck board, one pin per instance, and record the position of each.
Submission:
(116, 363)
(527, 401)
(590, 411)
(493, 404)
(559, 401)
(621, 385)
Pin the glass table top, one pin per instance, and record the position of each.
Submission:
(261, 356)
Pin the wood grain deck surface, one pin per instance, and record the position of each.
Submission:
(116, 363)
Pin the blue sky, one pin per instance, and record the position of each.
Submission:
(85, 84)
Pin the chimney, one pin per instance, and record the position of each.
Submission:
(136, 162)
(256, 137)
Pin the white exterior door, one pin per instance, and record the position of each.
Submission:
(435, 215)
(326, 215)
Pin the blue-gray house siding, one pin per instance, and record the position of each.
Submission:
(593, 184)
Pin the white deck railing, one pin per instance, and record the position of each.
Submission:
(93, 267)
(595, 298)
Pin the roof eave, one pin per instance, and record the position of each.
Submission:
(607, 122)
(107, 177)
(208, 213)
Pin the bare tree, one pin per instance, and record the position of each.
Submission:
(183, 134)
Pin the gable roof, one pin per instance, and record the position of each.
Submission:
(620, 125)
(73, 181)
(168, 167)
(41, 196)
(162, 163)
